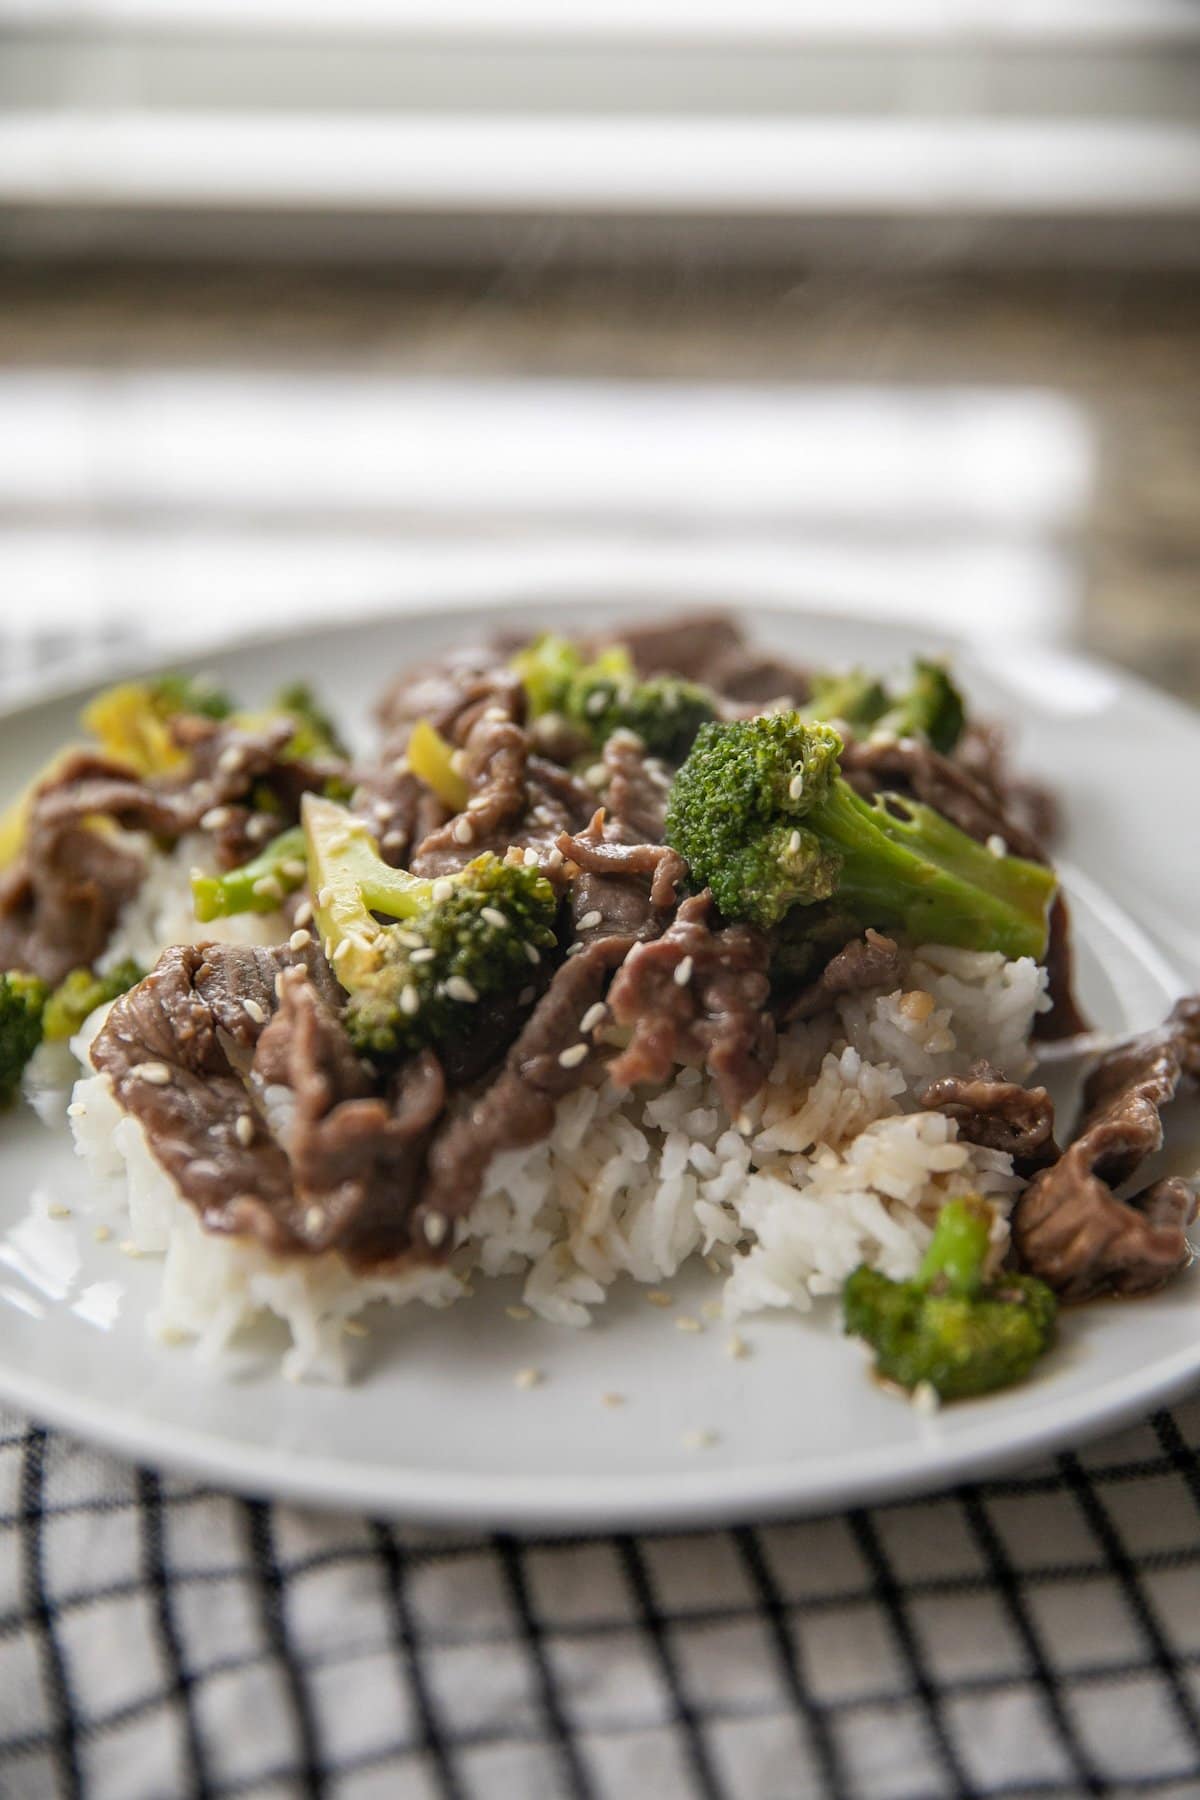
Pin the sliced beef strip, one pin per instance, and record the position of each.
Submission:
(517, 1108)
(1069, 1227)
(636, 788)
(450, 693)
(710, 648)
(999, 1114)
(698, 994)
(191, 1050)
(399, 809)
(60, 901)
(596, 854)
(870, 961)
(356, 1157)
(162, 1050)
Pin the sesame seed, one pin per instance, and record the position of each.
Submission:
(530, 858)
(215, 819)
(594, 1016)
(612, 1400)
(441, 890)
(341, 950)
(156, 1073)
(925, 1398)
(268, 887)
(794, 842)
(231, 758)
(744, 1123)
(101, 1233)
(299, 940)
(685, 1322)
(410, 1000)
(459, 988)
(244, 1129)
(260, 826)
(699, 1440)
(997, 845)
(659, 1297)
(596, 703)
(572, 1057)
(532, 954)
(495, 715)
(354, 1328)
(494, 917)
(279, 981)
(254, 1011)
(400, 766)
(590, 920)
(458, 761)
(314, 1219)
(796, 785)
(294, 867)
(58, 1211)
(464, 831)
(423, 955)
(574, 949)
(525, 996)
(518, 1312)
(304, 913)
(528, 1378)
(683, 972)
(77, 1110)
(596, 776)
(435, 1226)
(737, 1347)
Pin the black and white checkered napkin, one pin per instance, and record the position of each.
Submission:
(1027, 1636)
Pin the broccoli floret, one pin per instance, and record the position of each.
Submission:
(316, 733)
(197, 694)
(764, 818)
(947, 1326)
(446, 943)
(931, 707)
(605, 694)
(855, 697)
(259, 885)
(22, 1004)
(82, 991)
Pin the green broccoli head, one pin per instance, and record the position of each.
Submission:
(81, 992)
(416, 977)
(172, 694)
(316, 733)
(765, 820)
(853, 697)
(931, 707)
(22, 1004)
(605, 694)
(948, 1326)
(737, 810)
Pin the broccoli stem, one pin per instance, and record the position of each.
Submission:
(919, 874)
(259, 885)
(958, 1250)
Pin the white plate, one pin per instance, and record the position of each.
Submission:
(434, 1426)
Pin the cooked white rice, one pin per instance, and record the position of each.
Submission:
(833, 1164)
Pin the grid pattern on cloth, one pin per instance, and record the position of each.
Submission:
(1029, 1636)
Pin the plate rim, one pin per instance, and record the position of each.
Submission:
(691, 1497)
